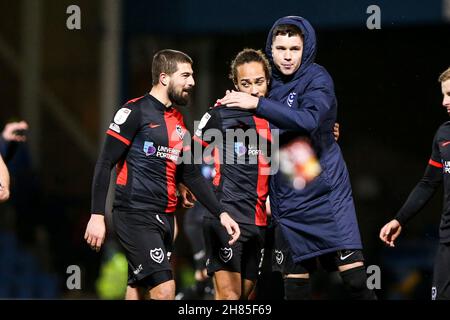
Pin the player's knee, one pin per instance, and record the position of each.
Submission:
(297, 288)
(132, 293)
(355, 280)
(228, 292)
(163, 292)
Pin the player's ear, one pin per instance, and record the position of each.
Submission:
(164, 79)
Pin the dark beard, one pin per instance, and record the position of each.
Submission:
(176, 98)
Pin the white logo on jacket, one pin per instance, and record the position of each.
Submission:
(290, 99)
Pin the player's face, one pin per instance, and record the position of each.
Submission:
(181, 84)
(251, 79)
(445, 85)
(287, 53)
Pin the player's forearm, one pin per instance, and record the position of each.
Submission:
(288, 118)
(112, 151)
(100, 187)
(201, 188)
(421, 194)
(417, 199)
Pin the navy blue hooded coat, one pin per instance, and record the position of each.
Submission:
(320, 218)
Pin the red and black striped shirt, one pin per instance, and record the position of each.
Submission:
(146, 175)
(145, 140)
(241, 160)
(437, 171)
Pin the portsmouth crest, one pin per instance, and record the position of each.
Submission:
(290, 99)
(157, 255)
(180, 131)
(149, 149)
(226, 254)
(279, 256)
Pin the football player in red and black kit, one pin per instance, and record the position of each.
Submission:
(438, 170)
(145, 141)
(241, 180)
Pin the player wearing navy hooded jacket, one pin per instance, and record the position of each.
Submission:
(320, 219)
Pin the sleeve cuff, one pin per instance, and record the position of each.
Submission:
(259, 111)
(400, 220)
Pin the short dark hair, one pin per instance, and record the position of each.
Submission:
(287, 29)
(444, 75)
(246, 56)
(166, 61)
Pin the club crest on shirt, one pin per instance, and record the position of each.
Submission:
(149, 149)
(180, 131)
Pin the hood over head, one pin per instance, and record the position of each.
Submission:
(309, 47)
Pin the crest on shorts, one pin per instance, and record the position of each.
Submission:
(226, 254)
(433, 293)
(279, 256)
(157, 255)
